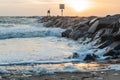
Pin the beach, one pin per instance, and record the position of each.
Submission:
(107, 70)
(60, 48)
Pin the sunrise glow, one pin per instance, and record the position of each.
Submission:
(78, 5)
(72, 7)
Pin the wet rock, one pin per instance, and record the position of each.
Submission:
(48, 24)
(92, 21)
(58, 24)
(1, 78)
(75, 35)
(99, 33)
(116, 36)
(79, 31)
(89, 57)
(107, 32)
(104, 44)
(104, 22)
(112, 50)
(84, 21)
(75, 55)
(93, 28)
(110, 19)
(107, 35)
(66, 33)
(83, 28)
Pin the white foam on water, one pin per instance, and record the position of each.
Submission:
(12, 27)
(114, 67)
(2, 70)
(36, 49)
(24, 41)
(89, 49)
(68, 68)
(26, 31)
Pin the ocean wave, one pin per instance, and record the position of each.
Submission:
(25, 27)
(27, 32)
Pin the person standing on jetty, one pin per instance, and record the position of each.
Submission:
(48, 12)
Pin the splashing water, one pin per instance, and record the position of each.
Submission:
(25, 41)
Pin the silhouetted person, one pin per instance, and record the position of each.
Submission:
(48, 13)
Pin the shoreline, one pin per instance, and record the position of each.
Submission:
(80, 75)
(88, 71)
(76, 28)
(103, 32)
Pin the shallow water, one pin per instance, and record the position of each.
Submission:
(26, 44)
(35, 49)
(24, 40)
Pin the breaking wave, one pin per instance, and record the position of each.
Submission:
(25, 28)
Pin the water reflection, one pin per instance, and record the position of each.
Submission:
(80, 66)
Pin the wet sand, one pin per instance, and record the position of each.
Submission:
(93, 75)
(105, 75)
(93, 72)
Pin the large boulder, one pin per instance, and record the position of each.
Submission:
(90, 57)
(66, 33)
(83, 28)
(113, 49)
(104, 44)
(48, 24)
(116, 35)
(108, 31)
(93, 27)
(75, 56)
(75, 34)
(79, 31)
(92, 21)
(99, 33)
(119, 20)
(110, 19)
(105, 22)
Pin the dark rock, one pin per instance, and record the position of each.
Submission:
(107, 37)
(104, 44)
(113, 49)
(94, 26)
(92, 21)
(58, 24)
(66, 33)
(109, 19)
(104, 22)
(84, 21)
(48, 24)
(89, 57)
(108, 58)
(99, 33)
(116, 27)
(95, 56)
(83, 28)
(116, 35)
(75, 35)
(75, 55)
(107, 32)
(79, 31)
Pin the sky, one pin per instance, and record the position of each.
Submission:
(40, 7)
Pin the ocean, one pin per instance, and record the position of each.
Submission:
(23, 40)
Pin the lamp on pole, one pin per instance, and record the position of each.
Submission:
(62, 7)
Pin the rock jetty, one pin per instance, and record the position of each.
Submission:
(104, 30)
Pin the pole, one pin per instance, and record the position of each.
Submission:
(61, 12)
